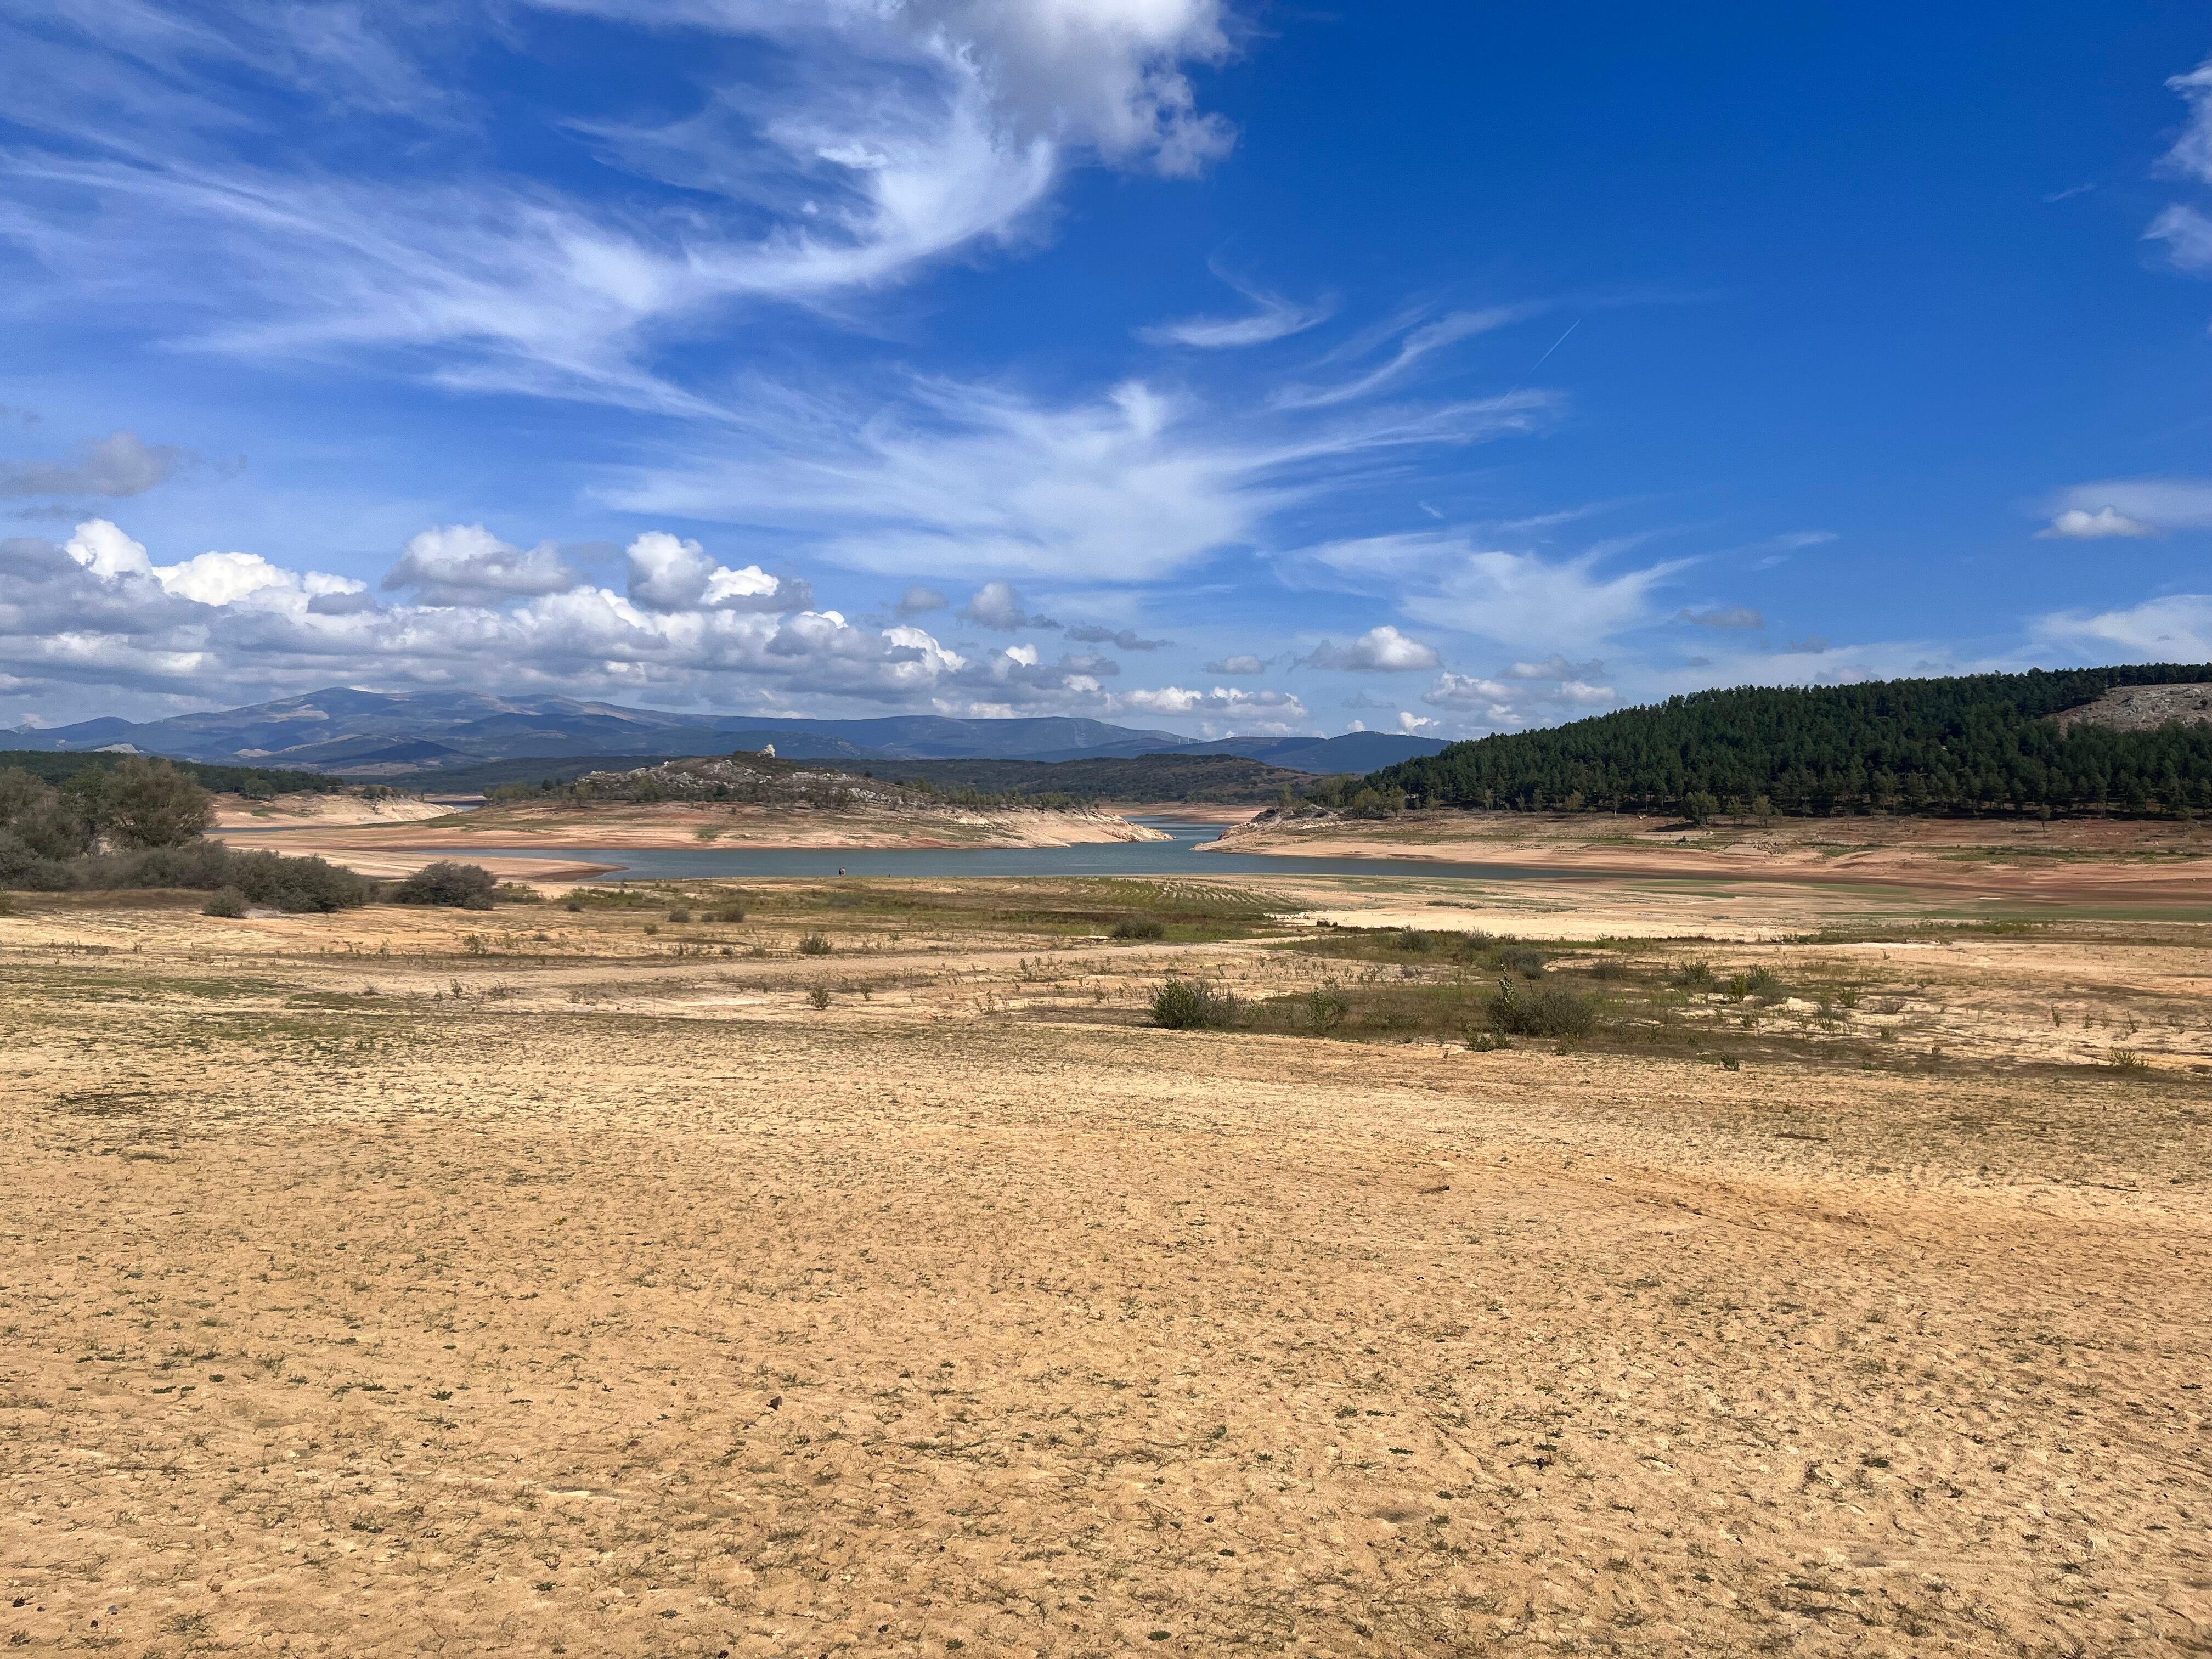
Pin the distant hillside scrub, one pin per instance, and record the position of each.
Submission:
(1222, 779)
(745, 779)
(1972, 744)
(254, 782)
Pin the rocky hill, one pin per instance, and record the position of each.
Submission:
(2142, 708)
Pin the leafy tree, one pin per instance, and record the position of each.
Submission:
(37, 822)
(144, 802)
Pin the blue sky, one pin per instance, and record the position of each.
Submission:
(1225, 367)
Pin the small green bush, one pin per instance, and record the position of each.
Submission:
(517, 892)
(1141, 927)
(229, 902)
(1325, 1009)
(1412, 941)
(727, 913)
(813, 944)
(1189, 1005)
(457, 886)
(1522, 959)
(1547, 1011)
(679, 914)
(1693, 975)
(817, 996)
(1764, 984)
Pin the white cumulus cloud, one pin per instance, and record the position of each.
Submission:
(2080, 523)
(460, 563)
(98, 611)
(2131, 506)
(1380, 650)
(997, 606)
(668, 574)
(1263, 713)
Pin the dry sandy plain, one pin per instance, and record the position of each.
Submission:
(406, 1282)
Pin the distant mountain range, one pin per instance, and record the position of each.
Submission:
(371, 734)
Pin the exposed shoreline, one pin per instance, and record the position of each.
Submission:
(2068, 862)
(387, 848)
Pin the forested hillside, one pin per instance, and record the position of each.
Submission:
(1938, 745)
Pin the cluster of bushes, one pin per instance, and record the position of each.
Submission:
(139, 824)
(137, 805)
(458, 886)
(254, 877)
(1493, 989)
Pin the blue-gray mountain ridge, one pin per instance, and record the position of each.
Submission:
(375, 734)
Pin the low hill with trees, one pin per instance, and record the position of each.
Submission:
(1223, 779)
(1971, 743)
(1226, 780)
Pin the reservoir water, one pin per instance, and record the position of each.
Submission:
(1173, 857)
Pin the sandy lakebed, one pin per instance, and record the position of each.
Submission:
(599, 1280)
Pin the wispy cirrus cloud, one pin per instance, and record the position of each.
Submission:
(966, 480)
(881, 139)
(2176, 628)
(2182, 227)
(1723, 615)
(1408, 348)
(1446, 579)
(1271, 317)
